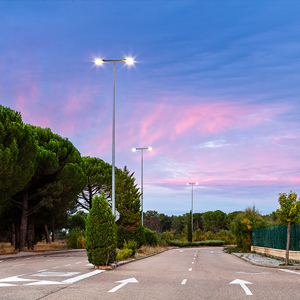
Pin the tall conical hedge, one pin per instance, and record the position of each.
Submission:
(101, 233)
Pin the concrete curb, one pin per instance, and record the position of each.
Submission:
(265, 265)
(28, 254)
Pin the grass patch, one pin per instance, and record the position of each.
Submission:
(7, 248)
(234, 250)
(289, 264)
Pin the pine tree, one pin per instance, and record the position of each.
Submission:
(101, 233)
(127, 198)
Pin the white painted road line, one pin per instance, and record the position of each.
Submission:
(42, 270)
(289, 271)
(1, 260)
(193, 262)
(50, 259)
(79, 262)
(190, 269)
(184, 281)
(67, 265)
(80, 277)
(55, 267)
(89, 265)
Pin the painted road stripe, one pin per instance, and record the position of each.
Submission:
(50, 259)
(67, 265)
(42, 270)
(1, 260)
(190, 269)
(80, 277)
(184, 281)
(289, 271)
(193, 262)
(79, 262)
(55, 267)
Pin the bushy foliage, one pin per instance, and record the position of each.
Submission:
(243, 225)
(130, 245)
(123, 254)
(101, 241)
(131, 233)
(76, 239)
(224, 235)
(196, 244)
(77, 220)
(151, 237)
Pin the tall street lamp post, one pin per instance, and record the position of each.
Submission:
(99, 62)
(142, 189)
(192, 184)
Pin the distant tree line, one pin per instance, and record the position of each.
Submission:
(213, 221)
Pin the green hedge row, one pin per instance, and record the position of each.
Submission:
(196, 244)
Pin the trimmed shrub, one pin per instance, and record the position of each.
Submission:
(123, 254)
(131, 233)
(101, 241)
(196, 244)
(151, 237)
(76, 239)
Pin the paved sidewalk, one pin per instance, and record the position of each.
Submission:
(264, 261)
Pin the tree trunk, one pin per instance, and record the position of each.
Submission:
(17, 231)
(47, 234)
(287, 253)
(52, 230)
(23, 226)
(31, 235)
(13, 235)
(40, 235)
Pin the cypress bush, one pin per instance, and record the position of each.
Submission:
(101, 230)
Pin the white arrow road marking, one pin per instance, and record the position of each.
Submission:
(77, 278)
(44, 282)
(290, 271)
(242, 283)
(15, 279)
(55, 274)
(7, 284)
(123, 282)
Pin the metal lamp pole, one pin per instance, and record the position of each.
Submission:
(99, 62)
(142, 188)
(192, 184)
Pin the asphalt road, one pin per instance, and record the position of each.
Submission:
(189, 273)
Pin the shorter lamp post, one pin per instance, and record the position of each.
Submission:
(142, 189)
(192, 184)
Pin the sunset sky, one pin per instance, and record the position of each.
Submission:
(214, 90)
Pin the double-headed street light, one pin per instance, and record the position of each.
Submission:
(142, 194)
(99, 62)
(192, 184)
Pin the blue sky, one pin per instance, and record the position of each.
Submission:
(215, 91)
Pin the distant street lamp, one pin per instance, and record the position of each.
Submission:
(99, 62)
(192, 184)
(142, 189)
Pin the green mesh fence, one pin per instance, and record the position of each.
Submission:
(275, 237)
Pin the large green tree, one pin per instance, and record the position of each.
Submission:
(18, 149)
(127, 198)
(288, 214)
(214, 220)
(58, 177)
(98, 175)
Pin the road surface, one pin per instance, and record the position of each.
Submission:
(188, 273)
